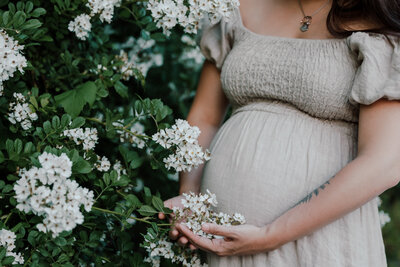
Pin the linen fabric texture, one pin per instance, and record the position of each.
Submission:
(293, 126)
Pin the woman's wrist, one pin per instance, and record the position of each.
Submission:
(189, 188)
(272, 238)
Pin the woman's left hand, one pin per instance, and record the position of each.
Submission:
(238, 240)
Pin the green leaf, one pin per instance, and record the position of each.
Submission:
(133, 201)
(28, 7)
(19, 19)
(38, 12)
(158, 203)
(2, 252)
(63, 258)
(106, 178)
(9, 146)
(7, 188)
(33, 101)
(18, 146)
(31, 24)
(47, 127)
(65, 120)
(2, 158)
(60, 241)
(7, 260)
(55, 122)
(73, 101)
(28, 147)
(6, 17)
(146, 210)
(82, 166)
(121, 89)
(136, 163)
(77, 122)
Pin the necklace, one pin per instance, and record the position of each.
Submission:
(306, 21)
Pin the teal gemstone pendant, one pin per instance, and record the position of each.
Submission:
(306, 21)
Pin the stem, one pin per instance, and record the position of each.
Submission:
(130, 217)
(30, 257)
(8, 217)
(121, 128)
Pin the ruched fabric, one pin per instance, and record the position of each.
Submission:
(379, 74)
(293, 127)
(215, 40)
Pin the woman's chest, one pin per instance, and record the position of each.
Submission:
(315, 76)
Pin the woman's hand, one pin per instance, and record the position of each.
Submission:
(238, 240)
(174, 233)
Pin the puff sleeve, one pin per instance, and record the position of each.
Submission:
(378, 75)
(215, 40)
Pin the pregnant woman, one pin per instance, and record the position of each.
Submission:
(314, 134)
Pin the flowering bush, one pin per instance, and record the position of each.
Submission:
(86, 142)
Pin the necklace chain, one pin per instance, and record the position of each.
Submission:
(315, 12)
(306, 21)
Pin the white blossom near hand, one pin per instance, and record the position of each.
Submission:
(237, 240)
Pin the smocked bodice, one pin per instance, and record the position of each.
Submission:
(325, 78)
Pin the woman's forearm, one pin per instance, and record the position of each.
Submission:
(358, 182)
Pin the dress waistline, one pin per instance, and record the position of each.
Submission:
(280, 107)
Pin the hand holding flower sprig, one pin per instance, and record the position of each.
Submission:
(192, 211)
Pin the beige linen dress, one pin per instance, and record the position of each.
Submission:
(293, 127)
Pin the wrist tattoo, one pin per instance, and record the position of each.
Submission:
(314, 192)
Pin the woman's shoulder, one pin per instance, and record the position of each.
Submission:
(378, 75)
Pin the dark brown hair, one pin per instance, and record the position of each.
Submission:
(383, 15)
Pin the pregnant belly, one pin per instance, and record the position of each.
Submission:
(269, 155)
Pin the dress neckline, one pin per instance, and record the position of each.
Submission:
(281, 38)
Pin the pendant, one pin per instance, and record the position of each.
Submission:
(306, 21)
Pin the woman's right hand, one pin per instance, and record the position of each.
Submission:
(174, 234)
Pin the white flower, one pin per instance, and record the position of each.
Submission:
(197, 210)
(140, 56)
(47, 191)
(120, 170)
(168, 13)
(136, 129)
(182, 139)
(103, 164)
(7, 240)
(11, 58)
(384, 218)
(20, 112)
(87, 137)
(105, 8)
(81, 26)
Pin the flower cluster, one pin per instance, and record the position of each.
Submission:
(105, 8)
(21, 112)
(182, 139)
(192, 52)
(158, 248)
(81, 25)
(47, 191)
(188, 14)
(140, 56)
(7, 240)
(197, 209)
(11, 58)
(119, 169)
(102, 164)
(86, 137)
(136, 129)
